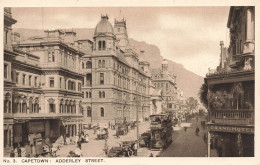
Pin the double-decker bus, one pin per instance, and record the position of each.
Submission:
(161, 131)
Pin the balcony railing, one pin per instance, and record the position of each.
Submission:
(233, 117)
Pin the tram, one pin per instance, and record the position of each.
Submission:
(161, 131)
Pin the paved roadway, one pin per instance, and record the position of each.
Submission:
(187, 144)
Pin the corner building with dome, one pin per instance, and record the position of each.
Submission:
(117, 84)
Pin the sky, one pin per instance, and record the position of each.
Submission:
(186, 35)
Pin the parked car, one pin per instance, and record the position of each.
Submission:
(116, 152)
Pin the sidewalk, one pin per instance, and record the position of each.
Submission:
(95, 147)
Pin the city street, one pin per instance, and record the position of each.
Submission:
(185, 144)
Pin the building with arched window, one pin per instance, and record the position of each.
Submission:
(42, 85)
(114, 76)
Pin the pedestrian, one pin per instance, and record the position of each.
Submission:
(19, 150)
(197, 131)
(135, 149)
(151, 155)
(117, 134)
(12, 154)
(79, 144)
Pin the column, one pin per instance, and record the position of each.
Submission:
(209, 137)
(249, 25)
(249, 45)
(240, 145)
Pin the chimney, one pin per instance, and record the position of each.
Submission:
(222, 60)
(54, 34)
(70, 36)
(16, 37)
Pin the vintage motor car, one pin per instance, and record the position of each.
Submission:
(116, 152)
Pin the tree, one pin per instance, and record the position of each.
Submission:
(203, 94)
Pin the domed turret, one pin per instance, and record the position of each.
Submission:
(165, 66)
(104, 27)
(165, 62)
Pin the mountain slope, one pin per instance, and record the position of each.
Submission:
(187, 81)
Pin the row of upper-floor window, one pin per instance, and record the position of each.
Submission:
(121, 81)
(161, 85)
(25, 79)
(87, 95)
(66, 59)
(69, 84)
(89, 112)
(21, 105)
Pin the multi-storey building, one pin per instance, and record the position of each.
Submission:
(43, 83)
(116, 84)
(231, 89)
(166, 83)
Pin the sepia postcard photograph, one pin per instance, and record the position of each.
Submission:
(135, 82)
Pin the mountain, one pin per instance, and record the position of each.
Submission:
(187, 81)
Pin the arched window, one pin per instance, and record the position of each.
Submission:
(103, 94)
(69, 85)
(100, 94)
(102, 112)
(88, 64)
(53, 57)
(104, 45)
(99, 63)
(103, 64)
(86, 94)
(89, 95)
(82, 65)
(89, 112)
(99, 45)
(89, 80)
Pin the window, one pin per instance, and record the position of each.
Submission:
(89, 95)
(86, 94)
(6, 36)
(99, 45)
(35, 81)
(79, 86)
(49, 57)
(30, 80)
(53, 57)
(5, 70)
(102, 113)
(103, 94)
(101, 78)
(118, 29)
(241, 47)
(99, 63)
(60, 81)
(17, 77)
(23, 79)
(82, 65)
(104, 45)
(52, 108)
(88, 64)
(100, 94)
(103, 64)
(89, 112)
(61, 108)
(51, 82)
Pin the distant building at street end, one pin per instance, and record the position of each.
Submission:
(171, 95)
(231, 89)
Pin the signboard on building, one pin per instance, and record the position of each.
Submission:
(35, 127)
(235, 129)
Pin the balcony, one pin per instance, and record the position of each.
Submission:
(232, 117)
